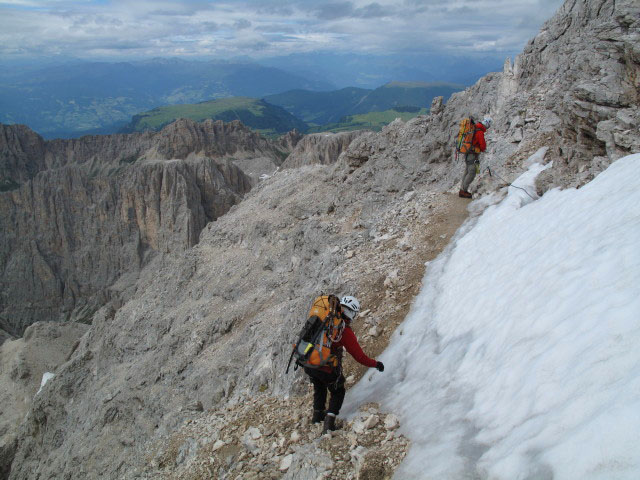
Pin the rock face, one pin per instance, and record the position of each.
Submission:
(208, 326)
(4, 336)
(575, 90)
(322, 148)
(23, 153)
(91, 212)
(585, 99)
(44, 347)
(190, 334)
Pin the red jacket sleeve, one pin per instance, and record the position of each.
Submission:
(478, 139)
(350, 342)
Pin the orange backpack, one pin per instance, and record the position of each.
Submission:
(467, 131)
(323, 327)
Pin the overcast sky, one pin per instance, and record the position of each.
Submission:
(94, 29)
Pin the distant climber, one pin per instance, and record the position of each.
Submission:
(328, 376)
(472, 156)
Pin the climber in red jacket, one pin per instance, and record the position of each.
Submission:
(472, 159)
(329, 378)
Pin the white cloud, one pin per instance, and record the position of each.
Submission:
(265, 27)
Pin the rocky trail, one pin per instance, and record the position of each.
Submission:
(269, 437)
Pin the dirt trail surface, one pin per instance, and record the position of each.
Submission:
(267, 437)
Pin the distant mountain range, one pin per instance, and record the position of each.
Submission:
(80, 98)
(319, 108)
(256, 114)
(305, 110)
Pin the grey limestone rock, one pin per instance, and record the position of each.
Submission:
(43, 348)
(436, 106)
(575, 89)
(4, 336)
(85, 215)
(322, 148)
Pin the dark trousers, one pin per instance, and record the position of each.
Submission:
(323, 382)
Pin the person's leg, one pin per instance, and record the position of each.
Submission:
(470, 174)
(464, 177)
(319, 394)
(470, 170)
(337, 390)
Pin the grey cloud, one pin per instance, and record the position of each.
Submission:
(256, 46)
(373, 10)
(203, 27)
(270, 25)
(421, 3)
(121, 46)
(333, 11)
(276, 11)
(270, 7)
(242, 24)
(271, 28)
(104, 20)
(167, 13)
(183, 8)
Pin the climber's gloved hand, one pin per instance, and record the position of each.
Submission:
(380, 366)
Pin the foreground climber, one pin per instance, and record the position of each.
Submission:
(329, 377)
(472, 158)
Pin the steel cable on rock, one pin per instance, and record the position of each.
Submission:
(491, 174)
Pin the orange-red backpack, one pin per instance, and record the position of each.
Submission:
(464, 143)
(323, 327)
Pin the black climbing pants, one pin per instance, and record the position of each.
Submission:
(323, 382)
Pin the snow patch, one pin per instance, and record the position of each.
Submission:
(519, 358)
(45, 378)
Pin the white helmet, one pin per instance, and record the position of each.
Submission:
(487, 121)
(350, 306)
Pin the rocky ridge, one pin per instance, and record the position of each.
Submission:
(44, 347)
(91, 211)
(320, 148)
(210, 326)
(23, 153)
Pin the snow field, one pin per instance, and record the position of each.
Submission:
(520, 358)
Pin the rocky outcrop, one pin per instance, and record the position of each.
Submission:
(575, 90)
(23, 362)
(289, 140)
(72, 242)
(94, 211)
(322, 148)
(4, 336)
(23, 153)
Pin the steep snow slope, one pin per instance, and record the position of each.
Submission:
(519, 358)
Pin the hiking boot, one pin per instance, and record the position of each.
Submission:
(464, 194)
(329, 423)
(318, 416)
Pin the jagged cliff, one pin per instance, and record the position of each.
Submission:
(43, 347)
(210, 325)
(322, 148)
(83, 216)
